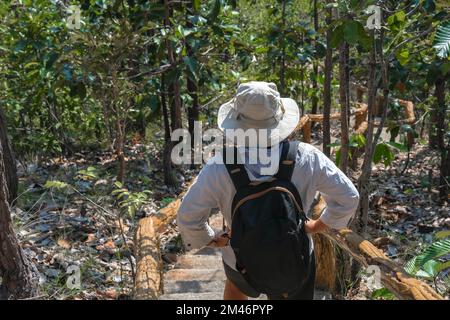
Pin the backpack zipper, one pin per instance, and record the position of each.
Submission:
(261, 193)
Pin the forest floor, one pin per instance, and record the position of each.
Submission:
(80, 221)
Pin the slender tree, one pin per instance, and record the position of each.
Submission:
(169, 174)
(344, 99)
(314, 99)
(192, 87)
(283, 89)
(17, 273)
(439, 93)
(327, 84)
(9, 161)
(174, 85)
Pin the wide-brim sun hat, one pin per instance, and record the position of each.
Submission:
(258, 108)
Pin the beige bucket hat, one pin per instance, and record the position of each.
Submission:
(258, 106)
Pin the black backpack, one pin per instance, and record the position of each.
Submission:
(267, 231)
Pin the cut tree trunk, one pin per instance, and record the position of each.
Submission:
(148, 284)
(17, 272)
(9, 161)
(325, 255)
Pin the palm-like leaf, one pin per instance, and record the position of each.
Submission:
(442, 40)
(434, 251)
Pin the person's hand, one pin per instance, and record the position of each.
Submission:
(315, 226)
(220, 240)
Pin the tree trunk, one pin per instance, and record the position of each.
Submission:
(192, 87)
(174, 87)
(15, 269)
(363, 181)
(327, 86)
(9, 161)
(344, 100)
(439, 133)
(440, 97)
(371, 139)
(169, 175)
(283, 50)
(315, 100)
(119, 149)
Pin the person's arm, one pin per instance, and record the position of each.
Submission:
(338, 191)
(195, 208)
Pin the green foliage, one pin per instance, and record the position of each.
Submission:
(442, 40)
(90, 173)
(56, 184)
(352, 32)
(166, 201)
(383, 294)
(383, 153)
(130, 201)
(357, 141)
(427, 264)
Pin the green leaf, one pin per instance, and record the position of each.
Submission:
(445, 68)
(396, 20)
(192, 65)
(337, 35)
(403, 56)
(354, 33)
(358, 140)
(410, 266)
(434, 251)
(431, 267)
(442, 234)
(441, 40)
(399, 146)
(429, 5)
(338, 156)
(55, 184)
(442, 266)
(383, 154)
(212, 16)
(196, 4)
(383, 293)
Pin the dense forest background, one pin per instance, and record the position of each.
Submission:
(87, 108)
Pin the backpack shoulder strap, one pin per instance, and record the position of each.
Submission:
(287, 160)
(236, 170)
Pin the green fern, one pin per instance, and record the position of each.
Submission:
(434, 251)
(442, 40)
(426, 264)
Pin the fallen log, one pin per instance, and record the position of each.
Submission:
(303, 120)
(393, 276)
(319, 117)
(148, 282)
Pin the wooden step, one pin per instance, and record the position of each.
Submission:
(194, 274)
(193, 296)
(195, 286)
(199, 262)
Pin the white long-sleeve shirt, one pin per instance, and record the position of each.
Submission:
(213, 188)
